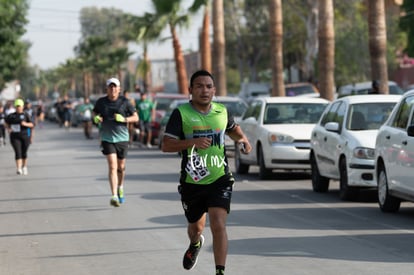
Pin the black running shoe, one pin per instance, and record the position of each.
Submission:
(114, 201)
(190, 256)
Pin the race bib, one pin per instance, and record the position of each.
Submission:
(16, 128)
(87, 114)
(196, 167)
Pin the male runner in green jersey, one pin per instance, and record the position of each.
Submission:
(197, 129)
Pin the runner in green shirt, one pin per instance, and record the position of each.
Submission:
(85, 111)
(197, 129)
(146, 113)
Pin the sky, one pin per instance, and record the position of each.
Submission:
(54, 29)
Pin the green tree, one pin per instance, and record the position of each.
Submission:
(205, 45)
(407, 24)
(13, 50)
(247, 37)
(170, 14)
(146, 29)
(351, 32)
(302, 22)
(113, 24)
(102, 50)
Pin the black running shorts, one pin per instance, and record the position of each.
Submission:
(197, 198)
(119, 148)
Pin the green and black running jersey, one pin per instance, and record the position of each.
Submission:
(111, 130)
(202, 166)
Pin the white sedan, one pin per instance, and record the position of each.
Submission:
(394, 156)
(343, 142)
(279, 130)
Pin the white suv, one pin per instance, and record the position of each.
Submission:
(343, 142)
(394, 156)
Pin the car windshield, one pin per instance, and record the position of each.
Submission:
(395, 90)
(293, 113)
(368, 116)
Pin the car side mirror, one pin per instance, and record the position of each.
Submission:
(332, 127)
(410, 131)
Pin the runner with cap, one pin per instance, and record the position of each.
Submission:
(112, 113)
(18, 124)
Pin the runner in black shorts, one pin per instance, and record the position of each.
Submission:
(197, 129)
(120, 149)
(19, 124)
(112, 113)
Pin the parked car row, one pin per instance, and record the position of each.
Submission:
(361, 141)
(374, 148)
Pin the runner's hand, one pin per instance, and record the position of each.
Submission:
(119, 118)
(97, 119)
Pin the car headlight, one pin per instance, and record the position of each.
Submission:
(280, 138)
(364, 153)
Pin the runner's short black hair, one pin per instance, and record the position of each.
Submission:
(200, 73)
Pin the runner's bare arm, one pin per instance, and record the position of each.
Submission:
(238, 136)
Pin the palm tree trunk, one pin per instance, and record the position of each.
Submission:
(311, 43)
(179, 63)
(205, 45)
(378, 43)
(276, 44)
(219, 46)
(326, 59)
(147, 73)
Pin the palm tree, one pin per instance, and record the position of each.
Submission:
(168, 14)
(147, 30)
(378, 43)
(205, 46)
(326, 58)
(117, 58)
(276, 39)
(219, 48)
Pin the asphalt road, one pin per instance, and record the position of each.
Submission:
(57, 220)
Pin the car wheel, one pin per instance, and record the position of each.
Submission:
(320, 183)
(241, 168)
(264, 173)
(387, 203)
(345, 191)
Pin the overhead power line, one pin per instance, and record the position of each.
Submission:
(55, 10)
